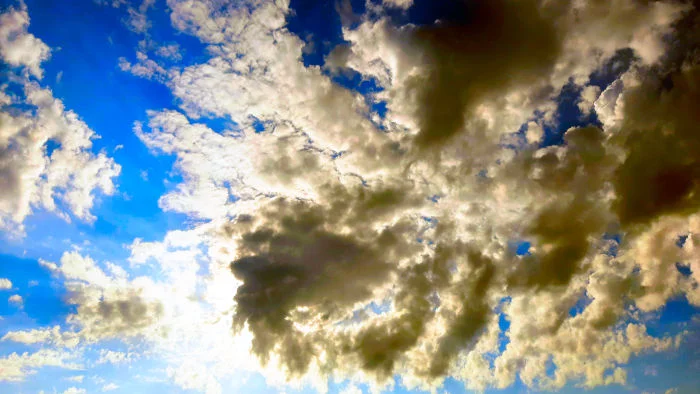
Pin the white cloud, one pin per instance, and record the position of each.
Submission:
(404, 4)
(340, 244)
(16, 367)
(17, 46)
(589, 95)
(45, 150)
(170, 51)
(110, 387)
(489, 195)
(5, 284)
(53, 335)
(75, 390)
(144, 67)
(16, 300)
(114, 357)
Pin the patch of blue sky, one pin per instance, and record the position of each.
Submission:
(503, 325)
(520, 247)
(681, 240)
(612, 69)
(319, 25)
(580, 305)
(140, 376)
(658, 372)
(109, 101)
(568, 115)
(43, 298)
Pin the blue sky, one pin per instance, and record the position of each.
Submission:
(203, 113)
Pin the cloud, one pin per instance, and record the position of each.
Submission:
(46, 157)
(75, 390)
(53, 335)
(374, 248)
(17, 46)
(16, 300)
(5, 284)
(112, 357)
(107, 305)
(110, 387)
(144, 67)
(16, 367)
(330, 242)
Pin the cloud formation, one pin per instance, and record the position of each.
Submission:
(333, 240)
(46, 158)
(384, 244)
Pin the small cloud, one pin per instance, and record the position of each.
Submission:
(110, 387)
(75, 390)
(650, 370)
(17, 300)
(5, 284)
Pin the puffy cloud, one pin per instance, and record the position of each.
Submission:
(589, 95)
(170, 51)
(404, 4)
(16, 300)
(45, 150)
(5, 284)
(368, 248)
(144, 67)
(53, 335)
(113, 357)
(110, 387)
(17, 46)
(107, 304)
(338, 244)
(16, 367)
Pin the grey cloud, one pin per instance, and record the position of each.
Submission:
(114, 315)
(477, 51)
(367, 229)
(294, 256)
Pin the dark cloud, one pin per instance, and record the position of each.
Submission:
(661, 173)
(115, 315)
(473, 315)
(478, 50)
(296, 260)
(309, 269)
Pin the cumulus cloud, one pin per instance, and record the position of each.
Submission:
(54, 336)
(5, 284)
(46, 156)
(367, 247)
(17, 46)
(338, 243)
(16, 367)
(16, 300)
(107, 305)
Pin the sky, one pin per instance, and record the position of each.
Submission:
(380, 196)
